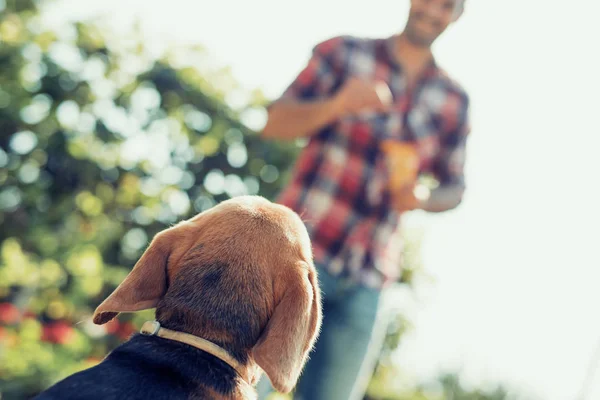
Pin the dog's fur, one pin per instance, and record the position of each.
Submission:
(240, 275)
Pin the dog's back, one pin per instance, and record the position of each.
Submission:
(149, 367)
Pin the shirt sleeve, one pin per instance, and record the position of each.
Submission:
(321, 75)
(449, 164)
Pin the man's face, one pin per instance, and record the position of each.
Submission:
(427, 19)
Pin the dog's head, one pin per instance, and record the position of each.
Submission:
(239, 274)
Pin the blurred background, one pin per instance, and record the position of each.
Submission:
(118, 118)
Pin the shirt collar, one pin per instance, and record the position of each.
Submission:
(430, 71)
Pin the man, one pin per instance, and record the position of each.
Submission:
(340, 185)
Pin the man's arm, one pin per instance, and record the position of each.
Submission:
(290, 119)
(308, 104)
(450, 164)
(443, 198)
(448, 169)
(320, 95)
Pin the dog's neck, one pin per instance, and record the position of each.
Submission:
(174, 317)
(153, 328)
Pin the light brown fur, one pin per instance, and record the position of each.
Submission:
(240, 275)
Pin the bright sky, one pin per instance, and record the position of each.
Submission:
(516, 266)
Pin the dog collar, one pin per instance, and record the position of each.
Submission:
(153, 328)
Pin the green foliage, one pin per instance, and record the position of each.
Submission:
(392, 384)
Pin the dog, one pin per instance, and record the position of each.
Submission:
(236, 294)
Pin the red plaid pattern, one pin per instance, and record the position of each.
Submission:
(339, 182)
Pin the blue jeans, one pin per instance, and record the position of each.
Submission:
(348, 347)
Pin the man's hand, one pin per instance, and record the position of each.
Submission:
(411, 197)
(440, 199)
(405, 199)
(357, 95)
(295, 119)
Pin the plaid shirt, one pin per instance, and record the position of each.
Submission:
(339, 183)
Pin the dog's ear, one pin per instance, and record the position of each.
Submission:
(290, 334)
(145, 285)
